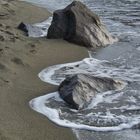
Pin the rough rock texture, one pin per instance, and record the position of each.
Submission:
(78, 90)
(79, 25)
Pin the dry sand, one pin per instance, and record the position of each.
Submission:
(21, 59)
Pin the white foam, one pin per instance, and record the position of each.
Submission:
(45, 75)
(95, 101)
(42, 28)
(39, 105)
(56, 74)
(116, 100)
(101, 97)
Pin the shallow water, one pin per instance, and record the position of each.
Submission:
(113, 110)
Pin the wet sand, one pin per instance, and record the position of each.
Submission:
(21, 59)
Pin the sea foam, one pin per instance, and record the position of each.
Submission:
(39, 105)
(108, 111)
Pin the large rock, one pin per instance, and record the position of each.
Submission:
(79, 90)
(79, 25)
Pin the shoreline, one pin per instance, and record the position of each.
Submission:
(22, 58)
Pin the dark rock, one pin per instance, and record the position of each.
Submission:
(58, 26)
(37, 29)
(79, 90)
(79, 25)
(31, 30)
(22, 26)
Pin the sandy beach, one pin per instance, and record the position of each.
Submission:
(21, 59)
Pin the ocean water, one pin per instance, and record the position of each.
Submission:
(113, 115)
